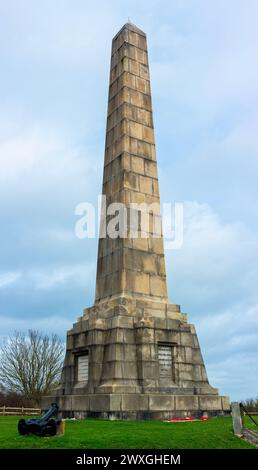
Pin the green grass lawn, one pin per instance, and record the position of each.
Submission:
(215, 433)
(248, 423)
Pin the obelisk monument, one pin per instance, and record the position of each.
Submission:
(132, 354)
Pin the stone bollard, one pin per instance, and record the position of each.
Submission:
(237, 419)
(61, 428)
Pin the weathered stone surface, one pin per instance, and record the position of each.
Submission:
(162, 402)
(187, 403)
(123, 405)
(130, 133)
(210, 403)
(144, 359)
(237, 419)
(134, 402)
(225, 403)
(99, 403)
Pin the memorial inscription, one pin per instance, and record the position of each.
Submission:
(165, 361)
(83, 368)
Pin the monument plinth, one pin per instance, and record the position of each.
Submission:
(133, 355)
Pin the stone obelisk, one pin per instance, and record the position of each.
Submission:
(131, 265)
(133, 355)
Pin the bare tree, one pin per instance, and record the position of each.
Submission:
(251, 404)
(31, 364)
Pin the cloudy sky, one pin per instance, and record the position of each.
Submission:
(54, 59)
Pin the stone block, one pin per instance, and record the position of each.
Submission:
(155, 188)
(130, 352)
(136, 130)
(186, 339)
(143, 334)
(140, 244)
(133, 145)
(140, 56)
(115, 402)
(148, 370)
(134, 402)
(120, 335)
(145, 184)
(137, 282)
(127, 79)
(69, 341)
(137, 165)
(144, 352)
(95, 370)
(99, 402)
(196, 356)
(158, 286)
(65, 403)
(125, 161)
(185, 372)
(188, 354)
(149, 264)
(122, 321)
(80, 402)
(144, 149)
(133, 38)
(204, 373)
(135, 98)
(131, 180)
(225, 403)
(161, 402)
(148, 134)
(156, 245)
(186, 403)
(142, 44)
(146, 102)
(143, 71)
(197, 375)
(144, 116)
(161, 265)
(137, 197)
(210, 403)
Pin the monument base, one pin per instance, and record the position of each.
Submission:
(130, 358)
(140, 406)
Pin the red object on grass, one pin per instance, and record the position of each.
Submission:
(187, 418)
(181, 419)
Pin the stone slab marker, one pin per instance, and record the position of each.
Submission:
(237, 418)
(133, 354)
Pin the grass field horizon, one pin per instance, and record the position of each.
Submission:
(216, 433)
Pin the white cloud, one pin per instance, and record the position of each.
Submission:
(215, 280)
(23, 153)
(204, 74)
(51, 278)
(48, 323)
(9, 278)
(50, 35)
(40, 152)
(218, 260)
(235, 375)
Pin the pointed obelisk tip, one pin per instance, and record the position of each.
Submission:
(131, 27)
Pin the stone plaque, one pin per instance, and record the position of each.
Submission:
(83, 368)
(165, 361)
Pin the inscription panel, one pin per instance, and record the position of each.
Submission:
(165, 361)
(83, 368)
